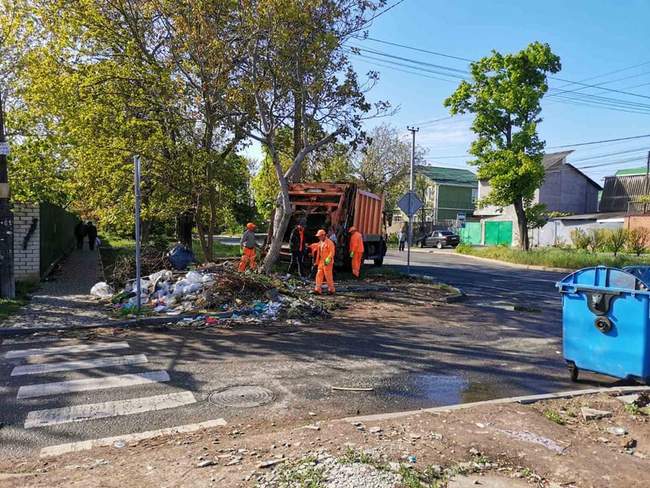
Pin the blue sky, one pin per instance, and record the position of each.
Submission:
(591, 37)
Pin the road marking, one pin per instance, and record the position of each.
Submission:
(72, 365)
(62, 387)
(6, 342)
(92, 411)
(101, 346)
(138, 436)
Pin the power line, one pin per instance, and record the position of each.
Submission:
(379, 14)
(600, 142)
(613, 163)
(617, 153)
(584, 85)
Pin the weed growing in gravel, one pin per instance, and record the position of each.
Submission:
(429, 478)
(632, 408)
(554, 416)
(352, 456)
(302, 474)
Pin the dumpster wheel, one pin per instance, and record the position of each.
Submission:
(603, 324)
(573, 371)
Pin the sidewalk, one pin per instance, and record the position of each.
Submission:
(64, 301)
(550, 443)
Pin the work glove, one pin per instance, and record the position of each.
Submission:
(328, 261)
(351, 254)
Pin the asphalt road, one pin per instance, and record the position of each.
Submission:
(411, 358)
(487, 284)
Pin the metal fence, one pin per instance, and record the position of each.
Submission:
(57, 234)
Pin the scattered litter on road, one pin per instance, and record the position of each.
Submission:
(526, 436)
(618, 431)
(593, 414)
(205, 464)
(102, 290)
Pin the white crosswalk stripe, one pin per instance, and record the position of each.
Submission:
(93, 411)
(119, 381)
(91, 381)
(100, 346)
(74, 365)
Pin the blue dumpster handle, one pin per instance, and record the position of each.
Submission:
(603, 278)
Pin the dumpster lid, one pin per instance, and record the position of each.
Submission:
(610, 278)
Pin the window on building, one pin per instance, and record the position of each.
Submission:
(474, 195)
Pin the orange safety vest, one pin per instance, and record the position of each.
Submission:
(356, 243)
(326, 249)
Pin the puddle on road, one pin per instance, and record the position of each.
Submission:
(431, 390)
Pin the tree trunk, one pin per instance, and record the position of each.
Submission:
(522, 224)
(202, 232)
(184, 224)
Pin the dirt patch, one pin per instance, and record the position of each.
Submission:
(507, 443)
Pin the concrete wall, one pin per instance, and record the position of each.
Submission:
(26, 260)
(558, 232)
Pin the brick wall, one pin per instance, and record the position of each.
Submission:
(636, 221)
(26, 261)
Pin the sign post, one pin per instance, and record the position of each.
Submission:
(138, 285)
(410, 203)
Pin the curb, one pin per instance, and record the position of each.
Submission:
(458, 296)
(532, 267)
(524, 400)
(144, 322)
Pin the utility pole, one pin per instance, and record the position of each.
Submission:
(647, 181)
(7, 284)
(412, 130)
(136, 178)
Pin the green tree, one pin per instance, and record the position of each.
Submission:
(638, 240)
(505, 94)
(616, 240)
(382, 164)
(297, 47)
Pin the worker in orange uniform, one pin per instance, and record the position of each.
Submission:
(356, 250)
(325, 263)
(248, 245)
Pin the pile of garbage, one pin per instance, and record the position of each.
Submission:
(215, 294)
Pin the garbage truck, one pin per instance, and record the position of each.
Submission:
(339, 206)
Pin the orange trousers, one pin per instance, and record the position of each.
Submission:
(326, 273)
(247, 259)
(356, 263)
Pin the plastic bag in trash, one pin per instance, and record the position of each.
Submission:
(194, 277)
(180, 257)
(102, 290)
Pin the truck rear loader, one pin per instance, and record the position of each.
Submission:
(340, 206)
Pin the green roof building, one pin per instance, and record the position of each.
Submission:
(631, 171)
(447, 192)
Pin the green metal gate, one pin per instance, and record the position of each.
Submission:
(471, 233)
(498, 233)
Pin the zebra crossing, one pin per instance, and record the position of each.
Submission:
(42, 374)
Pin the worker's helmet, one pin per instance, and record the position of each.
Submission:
(251, 226)
(321, 233)
(352, 229)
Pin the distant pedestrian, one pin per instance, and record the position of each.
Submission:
(248, 245)
(91, 232)
(401, 239)
(79, 234)
(298, 246)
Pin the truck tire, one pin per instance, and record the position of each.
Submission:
(379, 261)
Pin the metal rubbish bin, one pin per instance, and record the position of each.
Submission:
(605, 321)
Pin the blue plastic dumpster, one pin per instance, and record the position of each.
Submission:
(606, 322)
